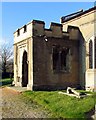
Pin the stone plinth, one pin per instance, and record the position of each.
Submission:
(91, 80)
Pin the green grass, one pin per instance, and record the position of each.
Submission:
(59, 105)
(6, 82)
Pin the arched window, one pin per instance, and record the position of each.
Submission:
(90, 54)
(60, 58)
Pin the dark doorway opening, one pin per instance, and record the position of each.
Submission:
(24, 70)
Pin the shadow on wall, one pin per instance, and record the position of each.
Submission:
(82, 59)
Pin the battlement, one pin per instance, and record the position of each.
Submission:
(37, 28)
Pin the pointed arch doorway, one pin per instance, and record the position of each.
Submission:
(24, 70)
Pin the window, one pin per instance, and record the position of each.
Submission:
(64, 56)
(60, 59)
(95, 51)
(18, 32)
(25, 28)
(90, 55)
(55, 57)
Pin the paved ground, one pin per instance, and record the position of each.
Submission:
(14, 107)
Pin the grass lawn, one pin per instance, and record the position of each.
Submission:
(59, 105)
(6, 82)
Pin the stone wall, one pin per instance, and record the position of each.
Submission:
(85, 21)
(44, 77)
(19, 48)
(23, 35)
(38, 43)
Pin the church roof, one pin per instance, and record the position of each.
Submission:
(76, 14)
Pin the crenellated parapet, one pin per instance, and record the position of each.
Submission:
(43, 51)
(37, 28)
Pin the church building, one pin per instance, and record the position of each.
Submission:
(59, 57)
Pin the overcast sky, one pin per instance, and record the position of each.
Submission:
(17, 14)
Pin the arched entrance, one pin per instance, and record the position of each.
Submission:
(24, 70)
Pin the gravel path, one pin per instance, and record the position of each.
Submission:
(14, 107)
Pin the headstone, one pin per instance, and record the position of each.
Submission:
(72, 91)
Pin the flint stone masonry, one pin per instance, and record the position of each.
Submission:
(54, 58)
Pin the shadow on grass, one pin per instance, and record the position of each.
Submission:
(90, 114)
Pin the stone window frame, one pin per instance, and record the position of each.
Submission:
(61, 66)
(93, 39)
